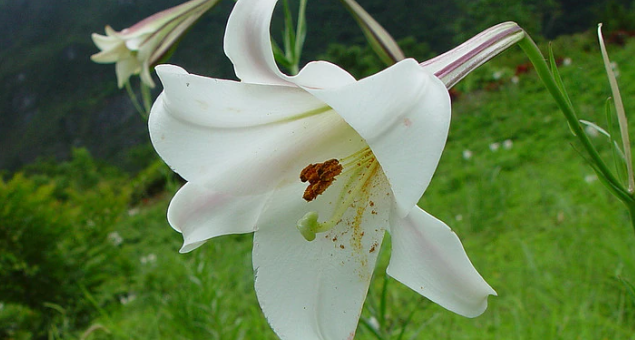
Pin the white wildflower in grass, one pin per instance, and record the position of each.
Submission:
(615, 68)
(467, 154)
(458, 217)
(494, 146)
(148, 259)
(566, 61)
(115, 239)
(590, 178)
(319, 166)
(126, 299)
(508, 144)
(515, 80)
(374, 323)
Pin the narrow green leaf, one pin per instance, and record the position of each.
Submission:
(406, 323)
(280, 56)
(619, 159)
(300, 34)
(383, 301)
(621, 114)
(289, 34)
(630, 288)
(557, 77)
(614, 188)
(378, 38)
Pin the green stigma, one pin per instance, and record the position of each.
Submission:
(308, 225)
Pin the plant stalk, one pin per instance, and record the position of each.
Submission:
(537, 59)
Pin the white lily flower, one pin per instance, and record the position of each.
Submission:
(368, 150)
(139, 47)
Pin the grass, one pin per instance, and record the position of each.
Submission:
(538, 227)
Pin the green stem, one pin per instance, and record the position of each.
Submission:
(300, 32)
(631, 212)
(147, 99)
(133, 98)
(383, 301)
(537, 59)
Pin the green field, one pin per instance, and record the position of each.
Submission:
(86, 251)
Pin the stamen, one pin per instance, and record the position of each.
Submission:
(349, 197)
(358, 156)
(320, 176)
(364, 166)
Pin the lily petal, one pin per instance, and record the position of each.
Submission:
(403, 113)
(230, 104)
(125, 68)
(105, 42)
(428, 257)
(248, 43)
(315, 290)
(320, 75)
(200, 214)
(146, 77)
(454, 65)
(110, 56)
(248, 46)
(235, 137)
(157, 20)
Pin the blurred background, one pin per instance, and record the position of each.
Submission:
(54, 98)
(86, 252)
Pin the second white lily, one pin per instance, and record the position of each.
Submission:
(136, 49)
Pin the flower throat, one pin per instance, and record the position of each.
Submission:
(360, 166)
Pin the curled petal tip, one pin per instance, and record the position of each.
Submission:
(457, 63)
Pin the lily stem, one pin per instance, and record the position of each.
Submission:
(631, 212)
(147, 99)
(135, 101)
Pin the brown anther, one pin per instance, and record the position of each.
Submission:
(320, 176)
